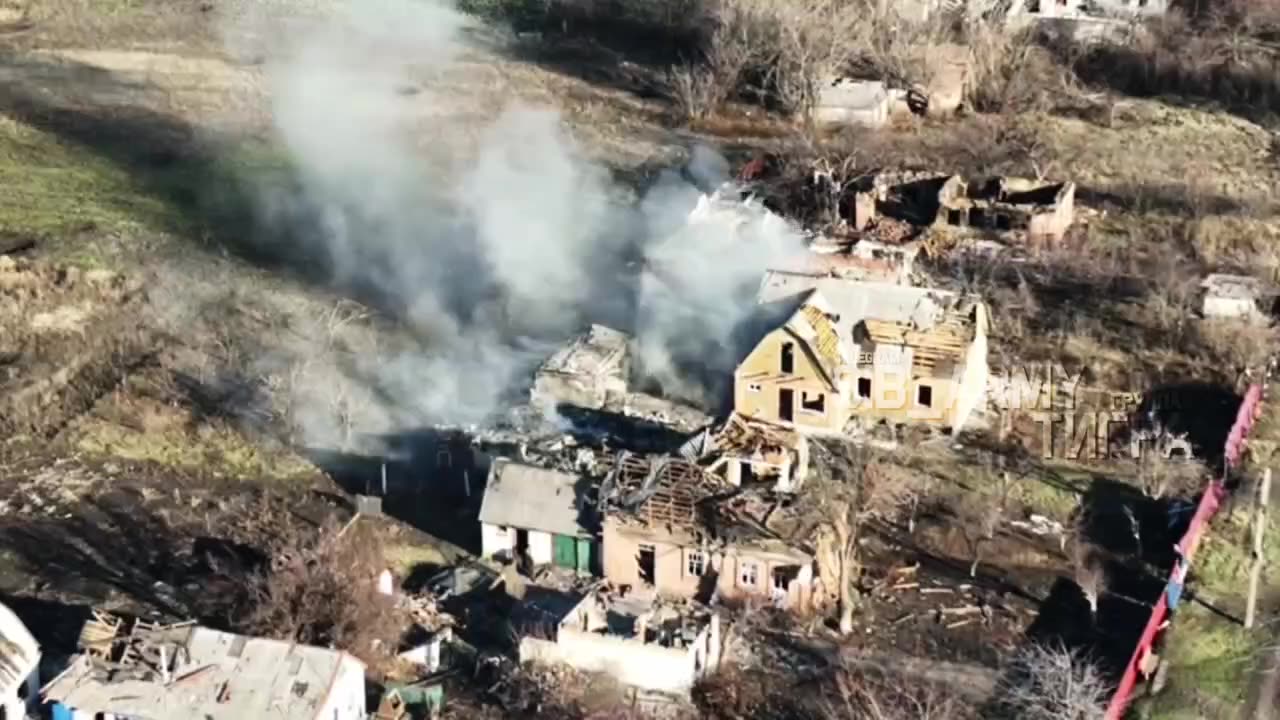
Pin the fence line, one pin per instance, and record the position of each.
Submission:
(1216, 490)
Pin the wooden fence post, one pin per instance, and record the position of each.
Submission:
(1259, 528)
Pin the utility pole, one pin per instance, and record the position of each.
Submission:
(1259, 528)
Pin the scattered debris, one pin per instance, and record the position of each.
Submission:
(636, 637)
(592, 369)
(184, 670)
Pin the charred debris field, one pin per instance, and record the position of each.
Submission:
(667, 361)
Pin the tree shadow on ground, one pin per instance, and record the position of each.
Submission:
(618, 45)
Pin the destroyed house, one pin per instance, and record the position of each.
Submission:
(671, 528)
(637, 638)
(1019, 207)
(185, 671)
(847, 350)
(588, 372)
(544, 515)
(743, 451)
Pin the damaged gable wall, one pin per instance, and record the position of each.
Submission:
(802, 396)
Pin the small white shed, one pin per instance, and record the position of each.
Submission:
(538, 512)
(852, 102)
(1232, 296)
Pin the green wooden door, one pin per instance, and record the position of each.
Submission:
(566, 551)
(584, 555)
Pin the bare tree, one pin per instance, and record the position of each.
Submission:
(855, 490)
(1162, 476)
(1047, 682)
(981, 514)
(1089, 571)
(816, 40)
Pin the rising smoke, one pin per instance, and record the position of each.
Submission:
(491, 243)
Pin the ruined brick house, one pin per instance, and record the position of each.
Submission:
(544, 515)
(638, 638)
(846, 350)
(592, 372)
(681, 532)
(1017, 207)
(588, 372)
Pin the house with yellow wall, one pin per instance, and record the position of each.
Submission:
(848, 350)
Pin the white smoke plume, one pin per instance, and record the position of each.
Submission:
(494, 256)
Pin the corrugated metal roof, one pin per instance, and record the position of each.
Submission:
(531, 498)
(221, 676)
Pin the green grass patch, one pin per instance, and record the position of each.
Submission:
(1210, 661)
(55, 187)
(86, 204)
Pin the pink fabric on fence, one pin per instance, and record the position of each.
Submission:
(1214, 494)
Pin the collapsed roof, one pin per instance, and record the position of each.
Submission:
(833, 314)
(185, 670)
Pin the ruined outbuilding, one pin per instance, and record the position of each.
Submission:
(168, 672)
(685, 533)
(1236, 297)
(636, 637)
(847, 350)
(588, 372)
(1017, 208)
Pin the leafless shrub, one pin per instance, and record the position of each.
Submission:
(1239, 345)
(321, 589)
(1224, 53)
(1052, 683)
(1011, 71)
(841, 693)
(877, 696)
(696, 91)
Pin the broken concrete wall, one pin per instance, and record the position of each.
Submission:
(644, 665)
